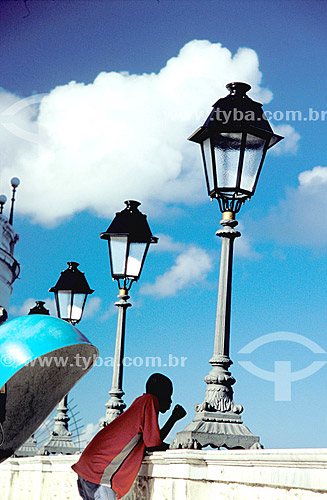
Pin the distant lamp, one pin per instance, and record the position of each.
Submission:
(71, 291)
(129, 237)
(234, 140)
(14, 183)
(39, 308)
(3, 199)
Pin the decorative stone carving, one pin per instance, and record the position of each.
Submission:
(219, 398)
(140, 490)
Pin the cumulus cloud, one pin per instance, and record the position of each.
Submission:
(243, 246)
(91, 308)
(93, 305)
(168, 244)
(290, 143)
(89, 431)
(190, 268)
(300, 217)
(91, 146)
(23, 310)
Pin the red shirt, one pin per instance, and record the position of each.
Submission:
(114, 456)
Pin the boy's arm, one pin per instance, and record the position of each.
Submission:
(177, 414)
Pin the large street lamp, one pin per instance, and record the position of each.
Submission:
(71, 292)
(129, 237)
(234, 140)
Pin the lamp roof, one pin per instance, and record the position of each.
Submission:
(236, 112)
(72, 279)
(132, 223)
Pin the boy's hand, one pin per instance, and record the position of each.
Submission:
(178, 412)
(161, 447)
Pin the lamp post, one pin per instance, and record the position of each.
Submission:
(234, 140)
(71, 292)
(129, 237)
(29, 448)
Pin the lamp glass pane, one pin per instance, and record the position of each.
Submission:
(135, 259)
(77, 309)
(227, 152)
(208, 163)
(254, 147)
(67, 312)
(118, 245)
(64, 301)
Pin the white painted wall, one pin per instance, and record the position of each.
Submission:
(183, 475)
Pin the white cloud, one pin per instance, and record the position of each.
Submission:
(168, 244)
(92, 306)
(190, 268)
(110, 311)
(300, 218)
(289, 144)
(23, 310)
(89, 431)
(243, 245)
(121, 137)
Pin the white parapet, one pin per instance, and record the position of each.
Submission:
(299, 474)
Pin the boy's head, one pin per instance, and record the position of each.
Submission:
(161, 386)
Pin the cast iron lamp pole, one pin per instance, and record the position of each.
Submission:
(234, 141)
(29, 448)
(71, 292)
(129, 237)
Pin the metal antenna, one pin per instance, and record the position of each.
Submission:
(15, 183)
(3, 199)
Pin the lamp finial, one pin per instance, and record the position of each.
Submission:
(15, 183)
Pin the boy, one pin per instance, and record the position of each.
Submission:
(110, 462)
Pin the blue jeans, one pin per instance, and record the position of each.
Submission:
(91, 491)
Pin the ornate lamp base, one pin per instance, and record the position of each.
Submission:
(28, 449)
(218, 430)
(60, 438)
(59, 444)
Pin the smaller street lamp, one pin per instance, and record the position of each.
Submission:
(129, 238)
(71, 292)
(39, 308)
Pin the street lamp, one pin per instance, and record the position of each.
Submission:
(71, 292)
(234, 140)
(39, 308)
(29, 448)
(129, 237)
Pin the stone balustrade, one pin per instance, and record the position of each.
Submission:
(298, 474)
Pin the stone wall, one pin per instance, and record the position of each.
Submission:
(183, 474)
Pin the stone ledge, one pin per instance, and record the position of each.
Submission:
(296, 468)
(182, 475)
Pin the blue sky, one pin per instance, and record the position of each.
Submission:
(100, 136)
